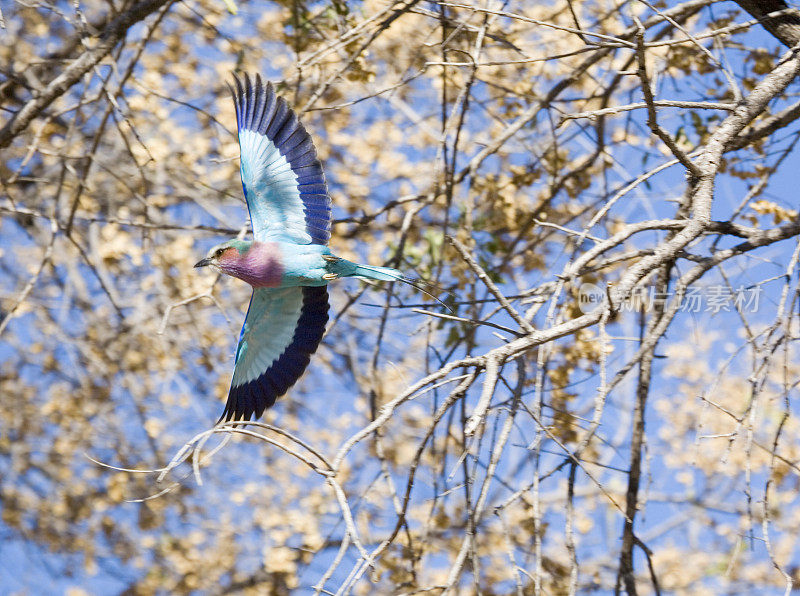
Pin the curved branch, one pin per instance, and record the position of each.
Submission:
(116, 31)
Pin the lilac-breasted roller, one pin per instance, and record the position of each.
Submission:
(287, 263)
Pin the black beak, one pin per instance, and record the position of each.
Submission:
(202, 263)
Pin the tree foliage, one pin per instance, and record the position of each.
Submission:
(602, 191)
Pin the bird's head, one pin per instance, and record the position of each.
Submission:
(225, 252)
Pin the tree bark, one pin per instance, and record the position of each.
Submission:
(785, 27)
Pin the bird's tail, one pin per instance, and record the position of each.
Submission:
(389, 274)
(379, 273)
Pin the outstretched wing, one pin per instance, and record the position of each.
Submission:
(283, 327)
(282, 178)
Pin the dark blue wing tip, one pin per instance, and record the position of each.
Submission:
(254, 397)
(249, 400)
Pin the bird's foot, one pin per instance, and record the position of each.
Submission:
(330, 258)
(330, 276)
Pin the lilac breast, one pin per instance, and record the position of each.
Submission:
(260, 266)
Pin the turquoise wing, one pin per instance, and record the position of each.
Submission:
(282, 178)
(283, 327)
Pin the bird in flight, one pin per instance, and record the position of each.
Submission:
(287, 263)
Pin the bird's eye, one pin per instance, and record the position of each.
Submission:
(219, 252)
